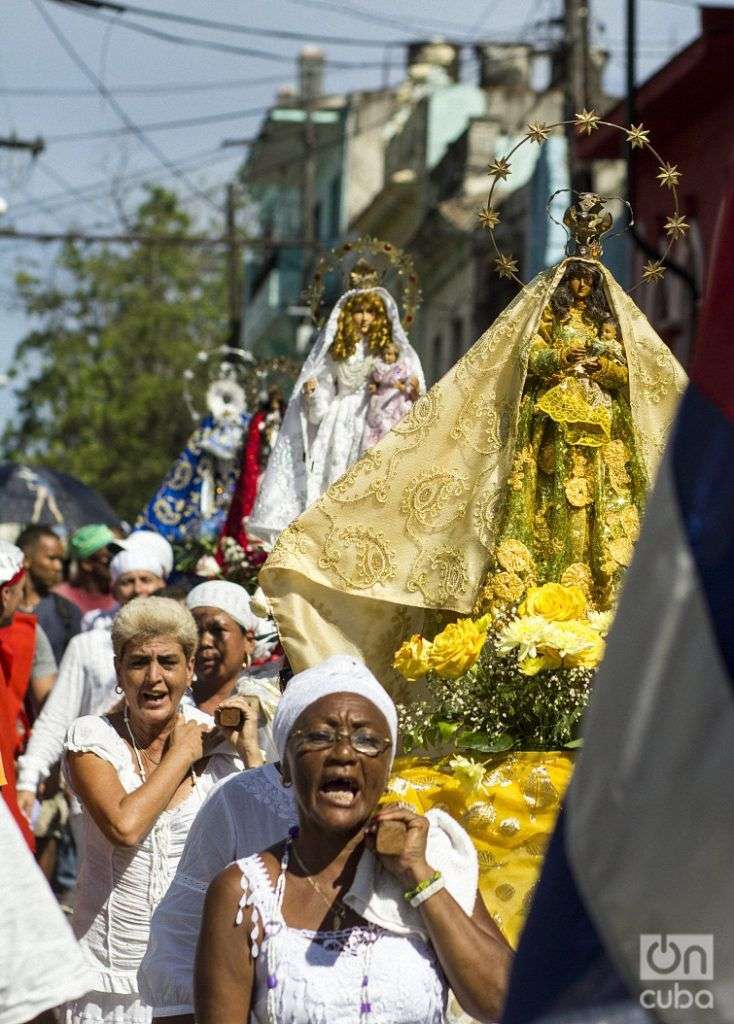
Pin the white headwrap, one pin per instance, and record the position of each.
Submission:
(341, 673)
(230, 598)
(143, 551)
(11, 562)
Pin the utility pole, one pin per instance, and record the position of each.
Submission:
(576, 69)
(311, 63)
(235, 284)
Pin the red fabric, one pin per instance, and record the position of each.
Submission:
(713, 363)
(20, 639)
(245, 491)
(9, 740)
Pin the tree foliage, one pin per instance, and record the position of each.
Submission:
(101, 388)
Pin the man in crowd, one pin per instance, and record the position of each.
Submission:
(86, 681)
(89, 588)
(59, 618)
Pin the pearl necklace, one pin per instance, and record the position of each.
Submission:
(272, 928)
(136, 751)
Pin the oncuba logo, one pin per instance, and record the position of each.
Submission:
(676, 959)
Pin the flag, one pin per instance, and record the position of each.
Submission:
(633, 918)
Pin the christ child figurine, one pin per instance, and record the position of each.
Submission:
(393, 390)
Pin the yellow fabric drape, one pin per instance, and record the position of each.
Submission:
(409, 529)
(509, 818)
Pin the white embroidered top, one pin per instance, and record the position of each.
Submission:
(119, 888)
(319, 974)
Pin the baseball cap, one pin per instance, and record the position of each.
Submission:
(88, 539)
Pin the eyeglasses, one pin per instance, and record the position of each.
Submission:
(361, 740)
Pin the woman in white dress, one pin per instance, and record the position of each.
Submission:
(325, 929)
(141, 773)
(323, 427)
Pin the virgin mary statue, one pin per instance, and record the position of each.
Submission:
(323, 429)
(528, 463)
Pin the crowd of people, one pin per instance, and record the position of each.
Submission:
(180, 790)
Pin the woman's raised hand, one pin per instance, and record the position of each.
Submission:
(243, 737)
(187, 738)
(409, 866)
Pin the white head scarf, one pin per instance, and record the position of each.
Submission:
(146, 551)
(11, 562)
(341, 673)
(229, 598)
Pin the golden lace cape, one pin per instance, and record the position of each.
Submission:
(410, 527)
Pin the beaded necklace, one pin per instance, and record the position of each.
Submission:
(272, 929)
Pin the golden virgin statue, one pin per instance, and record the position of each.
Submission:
(577, 482)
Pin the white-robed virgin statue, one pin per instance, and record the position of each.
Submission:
(323, 429)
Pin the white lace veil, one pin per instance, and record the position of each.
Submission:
(282, 494)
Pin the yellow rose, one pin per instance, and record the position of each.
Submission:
(412, 659)
(555, 602)
(455, 650)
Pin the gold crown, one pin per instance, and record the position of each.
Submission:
(363, 275)
(587, 221)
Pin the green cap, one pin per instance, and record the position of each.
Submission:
(89, 539)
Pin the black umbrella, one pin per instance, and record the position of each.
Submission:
(37, 495)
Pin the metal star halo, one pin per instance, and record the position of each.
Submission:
(587, 122)
(499, 168)
(668, 175)
(538, 131)
(676, 226)
(654, 271)
(506, 266)
(637, 136)
(488, 218)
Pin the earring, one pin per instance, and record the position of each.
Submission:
(118, 688)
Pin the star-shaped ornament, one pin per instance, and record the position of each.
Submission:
(654, 271)
(499, 168)
(637, 136)
(668, 175)
(489, 218)
(587, 122)
(538, 132)
(506, 266)
(676, 227)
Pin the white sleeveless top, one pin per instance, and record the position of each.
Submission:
(319, 974)
(118, 887)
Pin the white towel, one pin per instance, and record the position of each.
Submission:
(378, 896)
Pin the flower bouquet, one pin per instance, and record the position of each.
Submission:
(516, 679)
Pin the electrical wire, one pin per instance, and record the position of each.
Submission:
(207, 44)
(146, 90)
(228, 26)
(154, 126)
(107, 95)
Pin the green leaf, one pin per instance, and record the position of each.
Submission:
(447, 729)
(573, 744)
(485, 744)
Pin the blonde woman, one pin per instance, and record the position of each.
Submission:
(141, 773)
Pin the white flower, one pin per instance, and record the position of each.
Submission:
(208, 567)
(526, 634)
(471, 774)
(601, 621)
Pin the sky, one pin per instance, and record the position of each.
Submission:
(153, 81)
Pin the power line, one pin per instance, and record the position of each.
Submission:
(145, 90)
(155, 126)
(129, 238)
(209, 44)
(195, 161)
(228, 26)
(104, 92)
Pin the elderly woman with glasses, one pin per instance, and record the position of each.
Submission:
(141, 773)
(327, 927)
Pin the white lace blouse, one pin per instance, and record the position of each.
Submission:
(319, 974)
(119, 888)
